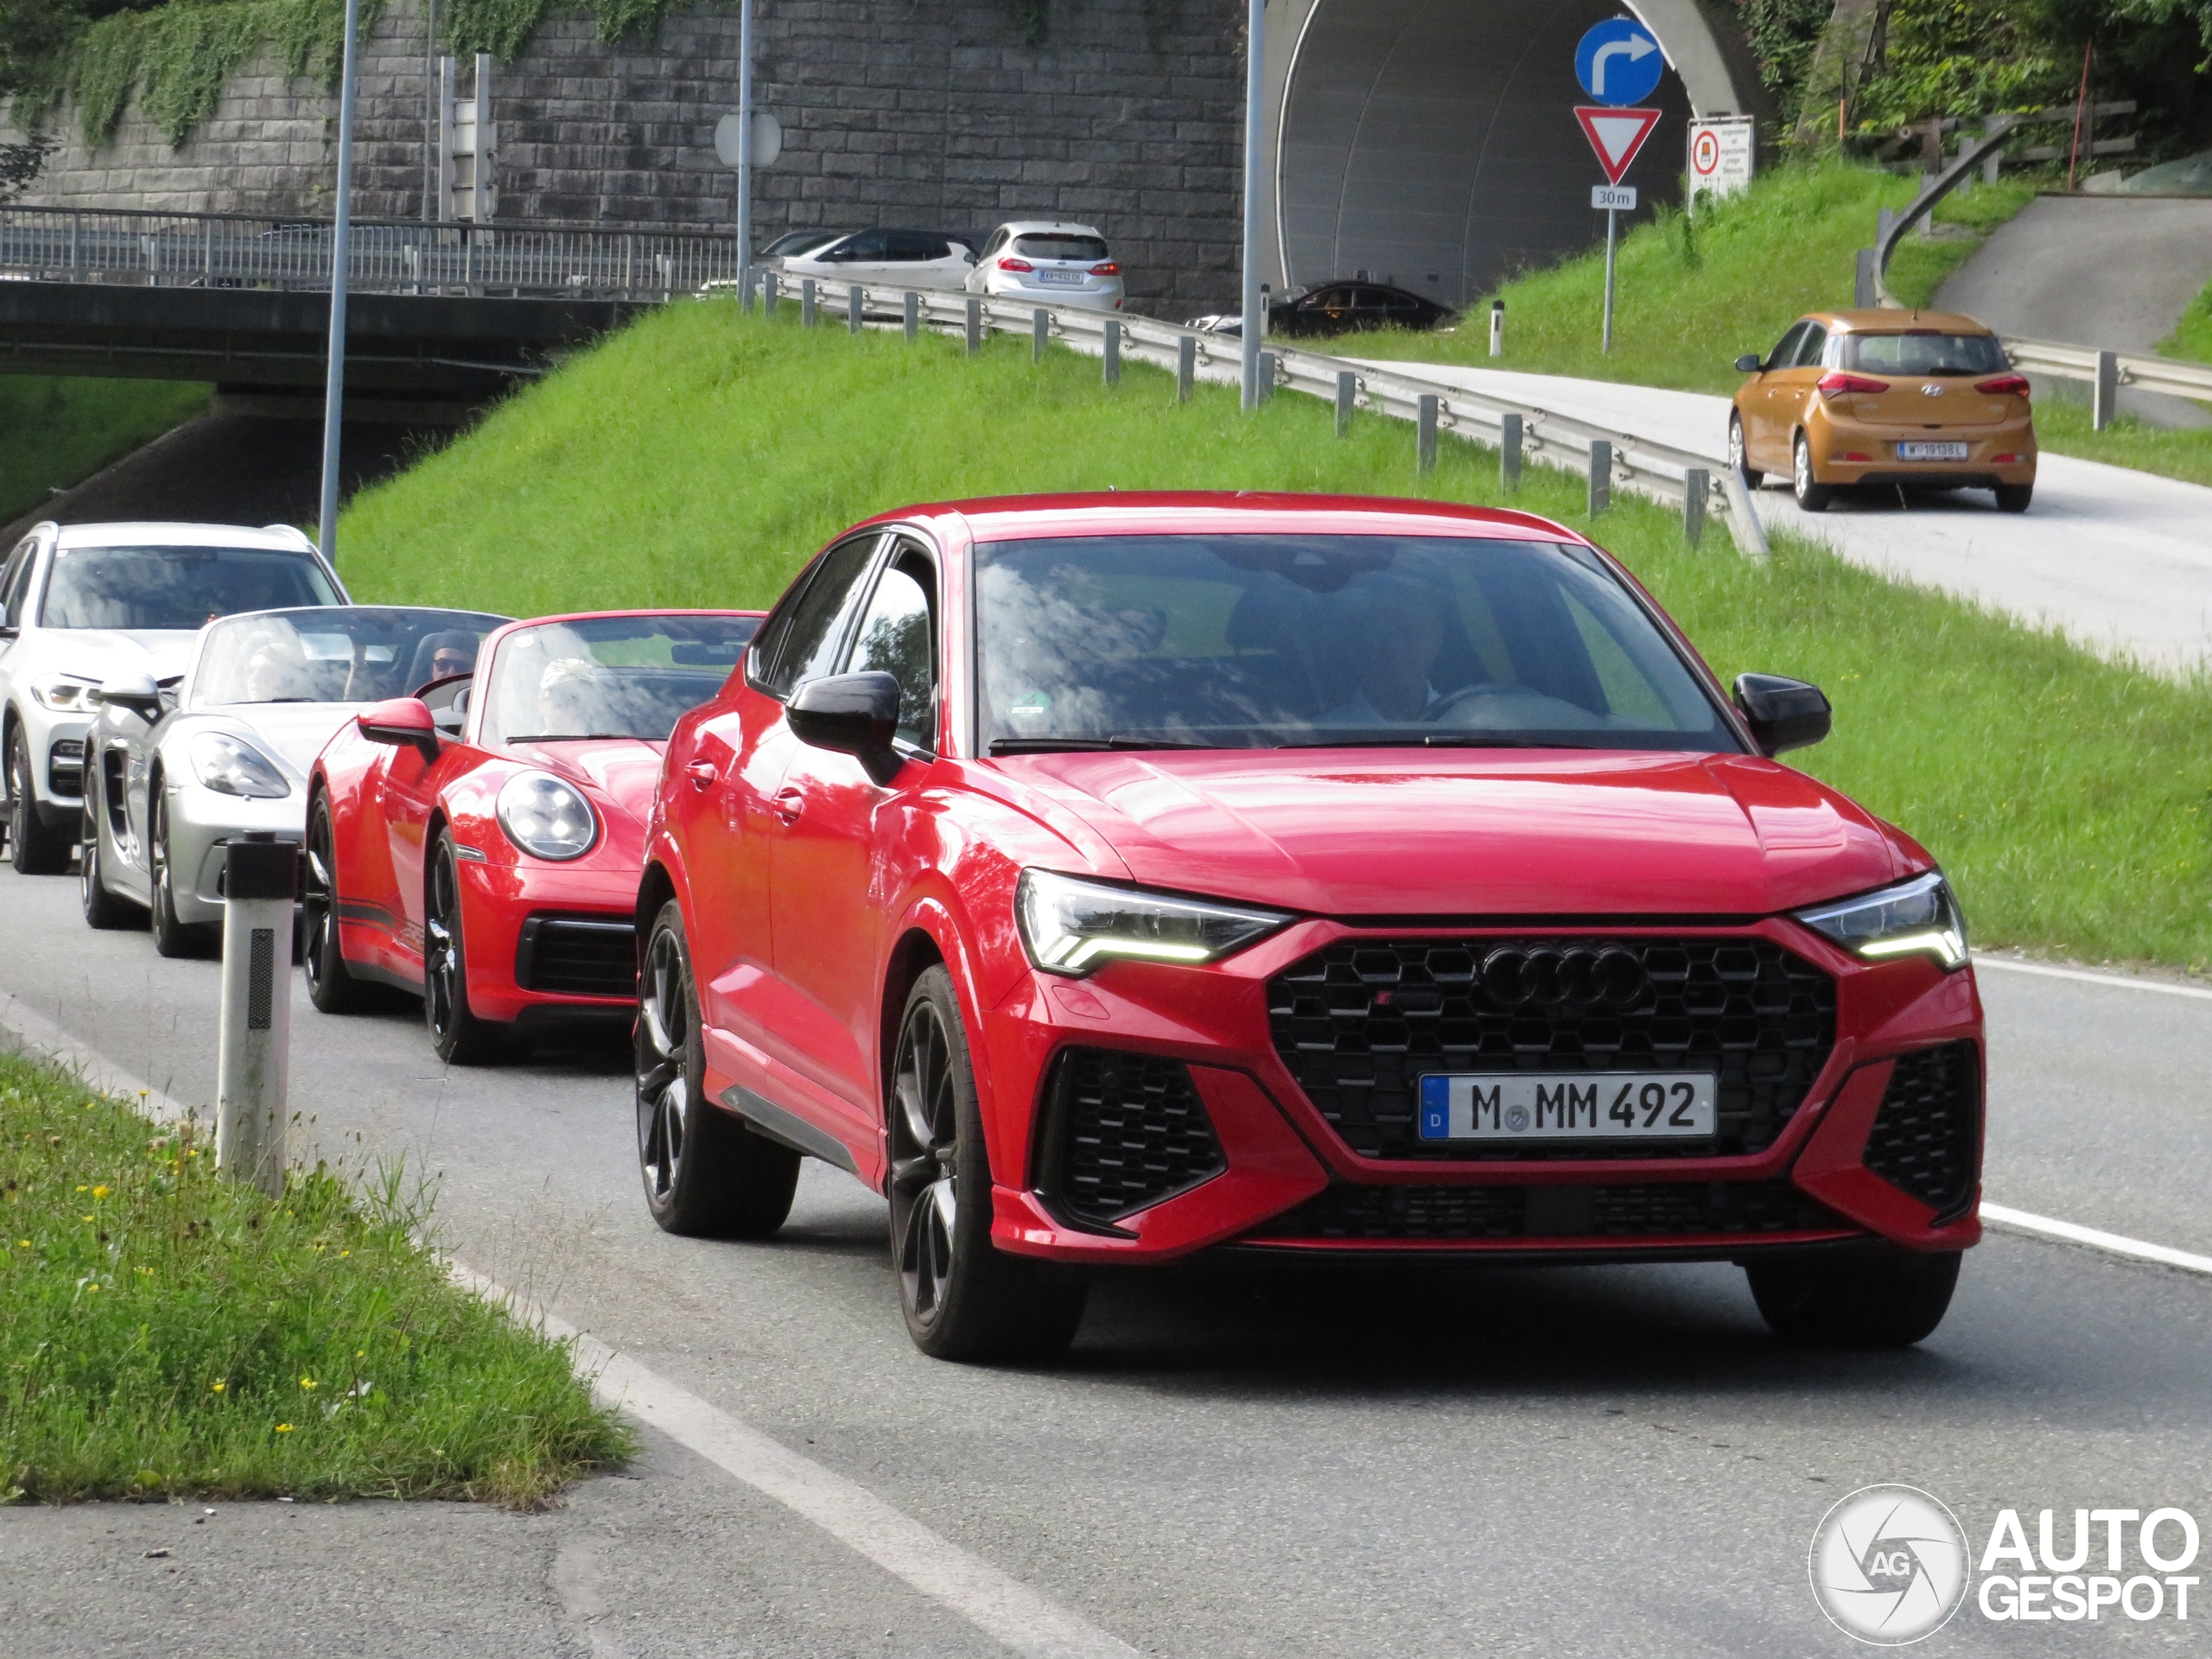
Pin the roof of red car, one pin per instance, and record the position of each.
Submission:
(1095, 513)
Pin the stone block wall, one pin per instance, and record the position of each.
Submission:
(1128, 116)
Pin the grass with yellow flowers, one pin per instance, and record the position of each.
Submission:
(165, 1331)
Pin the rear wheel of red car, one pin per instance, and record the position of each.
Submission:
(2014, 497)
(331, 986)
(1736, 458)
(963, 1299)
(459, 1036)
(1888, 1302)
(708, 1173)
(1812, 495)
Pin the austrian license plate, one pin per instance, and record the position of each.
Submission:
(1064, 279)
(1931, 452)
(1568, 1106)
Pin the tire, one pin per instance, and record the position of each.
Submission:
(963, 1298)
(173, 937)
(2014, 497)
(331, 986)
(1889, 1302)
(103, 909)
(708, 1173)
(1812, 495)
(1752, 476)
(34, 847)
(459, 1036)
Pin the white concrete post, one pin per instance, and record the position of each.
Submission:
(261, 882)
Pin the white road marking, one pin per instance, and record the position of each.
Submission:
(2117, 982)
(2094, 1238)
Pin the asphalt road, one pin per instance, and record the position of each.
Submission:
(1298, 1465)
(2117, 560)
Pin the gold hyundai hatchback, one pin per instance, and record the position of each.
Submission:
(1923, 398)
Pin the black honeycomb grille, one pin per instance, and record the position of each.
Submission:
(1359, 1022)
(1643, 1211)
(577, 957)
(1123, 1131)
(1927, 1130)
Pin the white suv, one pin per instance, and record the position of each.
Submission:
(1048, 259)
(82, 604)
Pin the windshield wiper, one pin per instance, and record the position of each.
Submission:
(1068, 745)
(567, 737)
(1435, 740)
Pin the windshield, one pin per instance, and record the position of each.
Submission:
(1056, 246)
(1260, 641)
(611, 677)
(1927, 353)
(184, 588)
(341, 653)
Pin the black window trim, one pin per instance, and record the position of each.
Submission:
(887, 558)
(795, 594)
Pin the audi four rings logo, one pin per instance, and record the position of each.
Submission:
(1607, 976)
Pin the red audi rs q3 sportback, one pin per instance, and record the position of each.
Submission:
(1106, 877)
(478, 843)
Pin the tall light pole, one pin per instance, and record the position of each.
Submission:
(1255, 314)
(341, 237)
(745, 155)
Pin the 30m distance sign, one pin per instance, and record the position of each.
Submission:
(1617, 198)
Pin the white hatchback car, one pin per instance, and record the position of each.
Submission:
(82, 604)
(1047, 259)
(886, 259)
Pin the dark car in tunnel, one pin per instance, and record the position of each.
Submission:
(1341, 308)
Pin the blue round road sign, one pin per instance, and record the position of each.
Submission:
(1618, 61)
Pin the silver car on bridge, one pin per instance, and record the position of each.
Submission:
(178, 768)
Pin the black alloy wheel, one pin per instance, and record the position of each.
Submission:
(34, 847)
(1843, 1302)
(103, 909)
(331, 986)
(172, 937)
(963, 1299)
(1812, 496)
(708, 1173)
(1738, 457)
(459, 1036)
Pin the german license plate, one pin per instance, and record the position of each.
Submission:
(1931, 452)
(1065, 278)
(1568, 1106)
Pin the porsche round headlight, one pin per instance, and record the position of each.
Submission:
(230, 766)
(546, 816)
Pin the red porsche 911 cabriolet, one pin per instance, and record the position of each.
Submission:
(478, 843)
(1106, 877)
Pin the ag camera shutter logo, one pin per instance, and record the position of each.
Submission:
(1889, 1565)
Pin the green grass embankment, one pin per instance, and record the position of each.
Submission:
(55, 433)
(699, 459)
(165, 1331)
(2192, 335)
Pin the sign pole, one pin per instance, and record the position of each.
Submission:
(1255, 324)
(1612, 219)
(744, 157)
(342, 233)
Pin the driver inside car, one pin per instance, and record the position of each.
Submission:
(1392, 630)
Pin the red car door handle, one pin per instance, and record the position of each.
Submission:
(701, 773)
(788, 804)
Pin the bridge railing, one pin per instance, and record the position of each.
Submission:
(386, 256)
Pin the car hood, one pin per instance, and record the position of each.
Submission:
(293, 733)
(622, 771)
(103, 653)
(1413, 833)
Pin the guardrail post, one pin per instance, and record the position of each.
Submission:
(261, 881)
(1425, 432)
(2106, 402)
(1497, 328)
(1267, 387)
(853, 303)
(914, 303)
(975, 325)
(1601, 476)
(1508, 452)
(1862, 281)
(1347, 400)
(1040, 330)
(1696, 482)
(768, 300)
(1186, 367)
(1113, 370)
(806, 301)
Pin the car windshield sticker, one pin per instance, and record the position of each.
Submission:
(1029, 705)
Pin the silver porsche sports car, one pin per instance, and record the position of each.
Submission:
(177, 768)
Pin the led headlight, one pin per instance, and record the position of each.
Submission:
(546, 817)
(230, 765)
(1916, 918)
(66, 694)
(1071, 926)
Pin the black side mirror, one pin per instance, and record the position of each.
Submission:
(1783, 714)
(136, 692)
(1749, 363)
(852, 714)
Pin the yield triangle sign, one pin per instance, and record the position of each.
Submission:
(1616, 134)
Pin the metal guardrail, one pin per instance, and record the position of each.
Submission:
(386, 256)
(1610, 458)
(2107, 372)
